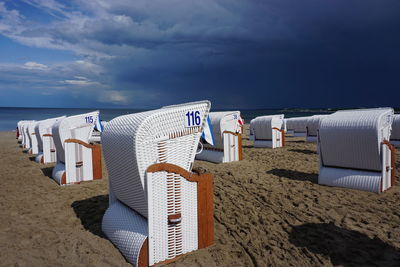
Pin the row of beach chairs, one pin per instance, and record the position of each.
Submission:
(356, 148)
(66, 141)
(158, 208)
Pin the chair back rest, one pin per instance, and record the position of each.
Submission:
(353, 138)
(313, 124)
(19, 126)
(78, 127)
(396, 128)
(27, 133)
(262, 126)
(222, 122)
(44, 127)
(131, 143)
(297, 124)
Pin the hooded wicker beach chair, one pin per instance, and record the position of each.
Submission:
(284, 127)
(77, 160)
(395, 136)
(312, 128)
(34, 147)
(27, 138)
(227, 138)
(47, 149)
(19, 131)
(158, 210)
(268, 131)
(354, 150)
(251, 130)
(21, 138)
(297, 126)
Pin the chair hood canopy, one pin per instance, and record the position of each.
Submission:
(262, 126)
(222, 122)
(78, 127)
(353, 138)
(297, 124)
(131, 143)
(396, 127)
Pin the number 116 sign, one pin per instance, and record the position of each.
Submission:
(193, 118)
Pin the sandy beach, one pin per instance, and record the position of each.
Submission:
(269, 211)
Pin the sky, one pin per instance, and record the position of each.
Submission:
(236, 53)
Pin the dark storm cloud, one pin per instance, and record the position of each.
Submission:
(251, 54)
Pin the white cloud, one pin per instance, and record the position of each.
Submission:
(80, 81)
(114, 97)
(35, 66)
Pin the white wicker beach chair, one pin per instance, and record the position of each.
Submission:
(284, 127)
(354, 150)
(158, 210)
(34, 146)
(268, 131)
(312, 128)
(77, 160)
(395, 136)
(297, 126)
(251, 130)
(21, 140)
(27, 139)
(227, 138)
(47, 149)
(19, 131)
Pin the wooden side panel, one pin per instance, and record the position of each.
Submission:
(96, 159)
(64, 178)
(393, 160)
(392, 149)
(240, 148)
(143, 260)
(205, 206)
(205, 200)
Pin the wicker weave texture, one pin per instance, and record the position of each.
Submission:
(75, 127)
(171, 194)
(313, 124)
(19, 126)
(131, 143)
(221, 122)
(262, 126)
(395, 128)
(34, 138)
(27, 134)
(44, 127)
(24, 131)
(352, 139)
(126, 229)
(297, 124)
(360, 180)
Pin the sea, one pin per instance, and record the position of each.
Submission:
(10, 116)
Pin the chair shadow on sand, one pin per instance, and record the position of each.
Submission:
(304, 151)
(90, 211)
(295, 175)
(47, 171)
(344, 247)
(289, 139)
